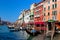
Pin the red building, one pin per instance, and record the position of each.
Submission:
(38, 16)
(38, 13)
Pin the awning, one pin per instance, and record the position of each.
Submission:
(39, 22)
(58, 23)
(51, 21)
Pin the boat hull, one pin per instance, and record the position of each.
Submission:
(32, 33)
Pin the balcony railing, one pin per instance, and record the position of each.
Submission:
(31, 20)
(37, 16)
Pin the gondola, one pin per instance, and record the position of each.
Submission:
(32, 33)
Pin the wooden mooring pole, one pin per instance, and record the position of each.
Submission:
(53, 30)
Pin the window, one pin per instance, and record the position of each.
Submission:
(54, 6)
(31, 18)
(48, 14)
(44, 14)
(53, 17)
(27, 18)
(48, 18)
(44, 19)
(44, 9)
(48, 7)
(54, 0)
(48, 2)
(37, 13)
(54, 12)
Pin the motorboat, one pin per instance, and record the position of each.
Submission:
(11, 26)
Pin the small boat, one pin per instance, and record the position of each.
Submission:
(11, 26)
(14, 30)
(32, 32)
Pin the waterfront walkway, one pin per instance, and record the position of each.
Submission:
(39, 37)
(42, 37)
(57, 37)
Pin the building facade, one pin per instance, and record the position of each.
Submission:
(38, 13)
(31, 22)
(21, 18)
(38, 16)
(41, 12)
(51, 10)
(27, 17)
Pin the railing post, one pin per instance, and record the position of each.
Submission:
(53, 30)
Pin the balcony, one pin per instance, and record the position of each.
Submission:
(54, 18)
(31, 14)
(31, 21)
(37, 16)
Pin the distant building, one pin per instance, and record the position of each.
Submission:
(27, 16)
(20, 19)
(0, 19)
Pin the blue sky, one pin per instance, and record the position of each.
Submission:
(10, 9)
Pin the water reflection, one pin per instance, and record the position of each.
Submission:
(30, 37)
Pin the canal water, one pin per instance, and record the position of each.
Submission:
(5, 34)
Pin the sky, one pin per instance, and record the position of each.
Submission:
(10, 9)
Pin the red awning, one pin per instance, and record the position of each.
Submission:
(39, 22)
